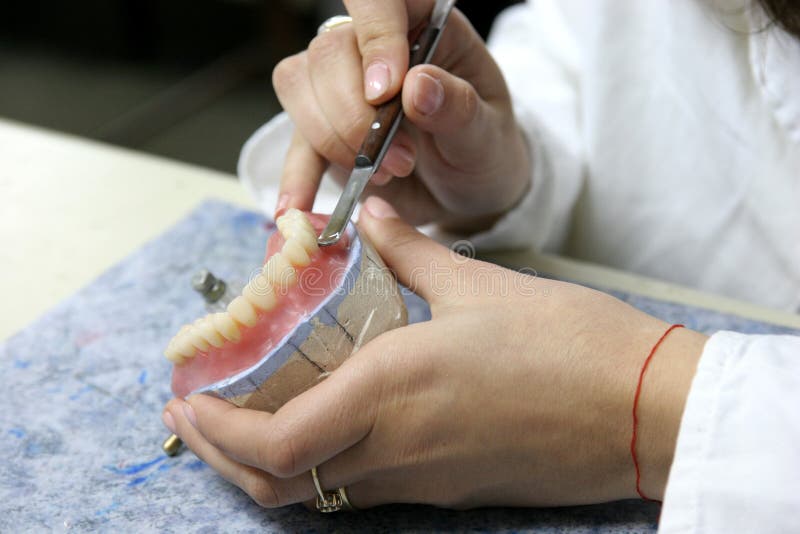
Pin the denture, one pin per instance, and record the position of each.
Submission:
(297, 320)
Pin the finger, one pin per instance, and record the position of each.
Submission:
(334, 69)
(424, 266)
(401, 157)
(214, 417)
(449, 108)
(335, 73)
(293, 87)
(382, 36)
(302, 173)
(459, 95)
(340, 410)
(265, 489)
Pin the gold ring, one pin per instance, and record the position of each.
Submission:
(346, 505)
(327, 501)
(333, 22)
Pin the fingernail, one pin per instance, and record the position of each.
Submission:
(168, 421)
(381, 178)
(188, 411)
(283, 203)
(376, 80)
(398, 162)
(379, 208)
(401, 158)
(428, 94)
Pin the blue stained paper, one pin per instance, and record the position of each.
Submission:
(80, 429)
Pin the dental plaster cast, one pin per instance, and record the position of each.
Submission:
(296, 321)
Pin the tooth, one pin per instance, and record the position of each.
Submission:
(295, 253)
(292, 212)
(294, 220)
(282, 223)
(182, 345)
(242, 311)
(226, 326)
(172, 354)
(207, 331)
(303, 223)
(260, 293)
(279, 272)
(306, 238)
(196, 339)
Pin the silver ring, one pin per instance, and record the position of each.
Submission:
(333, 22)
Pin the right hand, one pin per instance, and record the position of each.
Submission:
(462, 158)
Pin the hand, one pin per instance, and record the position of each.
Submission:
(518, 392)
(463, 159)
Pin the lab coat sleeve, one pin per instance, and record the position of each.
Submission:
(737, 461)
(261, 160)
(537, 50)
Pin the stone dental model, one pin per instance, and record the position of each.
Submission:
(296, 321)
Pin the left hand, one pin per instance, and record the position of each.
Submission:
(518, 392)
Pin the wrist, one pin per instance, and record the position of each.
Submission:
(665, 387)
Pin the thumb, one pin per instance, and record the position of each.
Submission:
(420, 263)
(450, 108)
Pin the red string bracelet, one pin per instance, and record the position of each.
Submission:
(636, 405)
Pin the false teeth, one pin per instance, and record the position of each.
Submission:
(208, 332)
(226, 326)
(279, 272)
(171, 354)
(242, 311)
(196, 339)
(295, 253)
(259, 293)
(294, 225)
(294, 215)
(306, 239)
(183, 346)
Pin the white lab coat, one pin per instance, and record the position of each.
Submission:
(666, 141)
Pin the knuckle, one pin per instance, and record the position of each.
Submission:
(379, 37)
(263, 493)
(285, 74)
(353, 132)
(468, 102)
(324, 46)
(331, 147)
(317, 47)
(279, 455)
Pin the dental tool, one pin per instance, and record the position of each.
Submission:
(383, 129)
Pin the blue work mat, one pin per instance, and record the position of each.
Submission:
(80, 429)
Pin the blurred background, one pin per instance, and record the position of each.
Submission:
(185, 79)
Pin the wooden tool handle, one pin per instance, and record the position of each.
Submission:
(390, 113)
